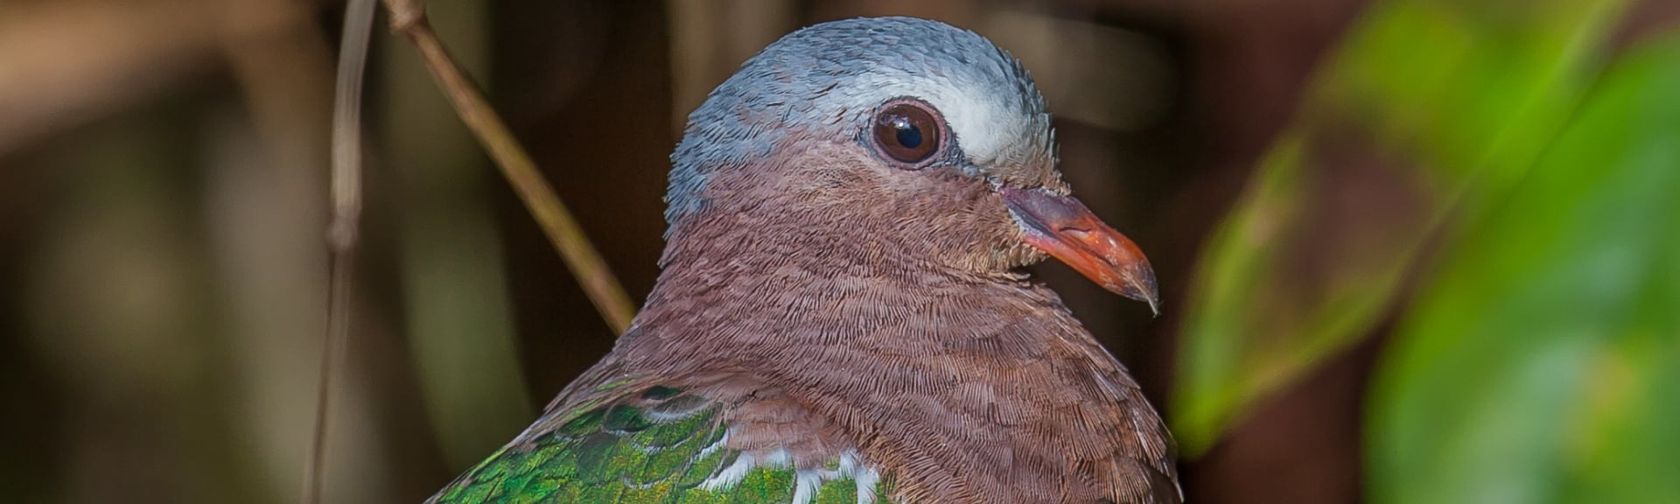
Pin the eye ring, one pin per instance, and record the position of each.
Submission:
(907, 132)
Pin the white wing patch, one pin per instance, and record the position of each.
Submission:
(807, 482)
(805, 485)
(867, 478)
(729, 476)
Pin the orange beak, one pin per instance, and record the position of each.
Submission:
(1062, 227)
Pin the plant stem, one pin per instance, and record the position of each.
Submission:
(409, 19)
(342, 232)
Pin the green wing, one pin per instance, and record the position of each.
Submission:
(657, 446)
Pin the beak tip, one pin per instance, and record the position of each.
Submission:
(1061, 226)
(1142, 288)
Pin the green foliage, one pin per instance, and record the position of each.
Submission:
(1539, 359)
(1542, 362)
(1458, 99)
(656, 450)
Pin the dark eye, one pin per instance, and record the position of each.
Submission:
(907, 132)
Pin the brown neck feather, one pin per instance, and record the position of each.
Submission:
(869, 299)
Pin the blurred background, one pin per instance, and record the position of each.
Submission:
(1410, 250)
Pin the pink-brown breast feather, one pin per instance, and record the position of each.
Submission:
(861, 298)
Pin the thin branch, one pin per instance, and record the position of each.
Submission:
(342, 233)
(598, 282)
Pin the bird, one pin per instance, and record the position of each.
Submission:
(842, 313)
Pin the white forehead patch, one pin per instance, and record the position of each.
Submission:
(985, 124)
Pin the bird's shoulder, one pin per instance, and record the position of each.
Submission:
(632, 439)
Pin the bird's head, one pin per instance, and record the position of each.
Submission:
(891, 140)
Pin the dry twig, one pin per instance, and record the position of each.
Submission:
(342, 233)
(409, 19)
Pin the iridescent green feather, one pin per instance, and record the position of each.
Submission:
(651, 448)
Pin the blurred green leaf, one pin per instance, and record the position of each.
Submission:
(1542, 362)
(1317, 248)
